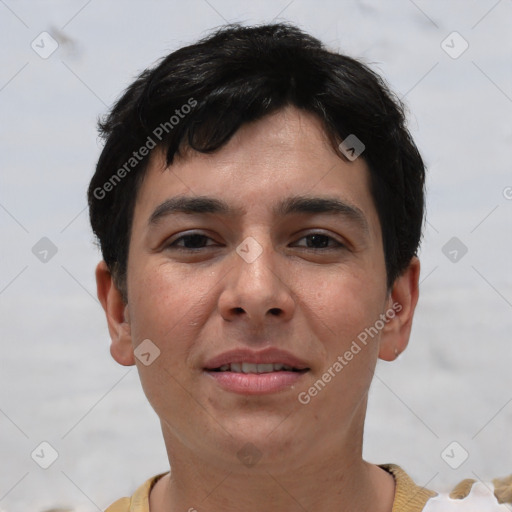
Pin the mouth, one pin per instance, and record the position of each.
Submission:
(246, 368)
(248, 372)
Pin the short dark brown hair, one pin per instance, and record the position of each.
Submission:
(200, 95)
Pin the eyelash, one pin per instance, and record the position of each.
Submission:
(174, 246)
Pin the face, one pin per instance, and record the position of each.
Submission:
(280, 262)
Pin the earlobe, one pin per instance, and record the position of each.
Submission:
(402, 302)
(116, 311)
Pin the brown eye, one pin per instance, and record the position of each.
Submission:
(321, 241)
(191, 242)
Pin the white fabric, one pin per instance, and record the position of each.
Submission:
(480, 499)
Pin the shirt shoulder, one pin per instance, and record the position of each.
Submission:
(468, 496)
(139, 502)
(121, 505)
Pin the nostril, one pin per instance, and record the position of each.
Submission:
(275, 311)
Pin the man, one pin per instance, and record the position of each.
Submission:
(259, 205)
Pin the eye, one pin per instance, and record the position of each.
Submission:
(321, 241)
(191, 242)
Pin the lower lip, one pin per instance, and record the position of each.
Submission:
(256, 383)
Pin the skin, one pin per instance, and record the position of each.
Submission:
(311, 301)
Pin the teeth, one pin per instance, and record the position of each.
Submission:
(255, 368)
(259, 368)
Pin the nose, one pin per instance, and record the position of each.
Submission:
(258, 287)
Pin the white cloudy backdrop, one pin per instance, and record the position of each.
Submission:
(58, 383)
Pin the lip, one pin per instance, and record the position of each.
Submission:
(256, 383)
(268, 355)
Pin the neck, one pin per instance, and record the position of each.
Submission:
(336, 480)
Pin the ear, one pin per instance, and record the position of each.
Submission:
(117, 315)
(400, 311)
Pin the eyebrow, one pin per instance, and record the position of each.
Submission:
(291, 205)
(191, 205)
(323, 205)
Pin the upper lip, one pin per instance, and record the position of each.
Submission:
(243, 355)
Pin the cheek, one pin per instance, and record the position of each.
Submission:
(342, 305)
(166, 302)
(343, 309)
(166, 308)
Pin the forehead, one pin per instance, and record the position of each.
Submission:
(282, 155)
